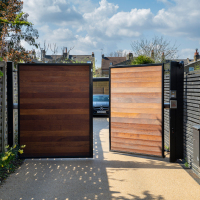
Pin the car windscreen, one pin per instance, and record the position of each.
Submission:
(100, 98)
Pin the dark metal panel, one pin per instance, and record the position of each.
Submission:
(176, 115)
(18, 78)
(91, 109)
(10, 102)
(109, 109)
(98, 79)
(163, 98)
(196, 145)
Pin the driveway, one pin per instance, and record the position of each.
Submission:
(107, 176)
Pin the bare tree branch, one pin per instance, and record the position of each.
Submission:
(158, 44)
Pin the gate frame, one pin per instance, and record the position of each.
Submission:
(127, 66)
(90, 106)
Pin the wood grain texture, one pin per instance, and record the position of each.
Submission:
(136, 110)
(55, 110)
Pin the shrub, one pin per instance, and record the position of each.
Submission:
(9, 160)
(142, 59)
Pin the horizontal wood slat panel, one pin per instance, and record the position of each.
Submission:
(56, 154)
(132, 132)
(135, 99)
(139, 136)
(137, 142)
(53, 133)
(136, 115)
(137, 151)
(136, 74)
(54, 108)
(54, 73)
(57, 68)
(53, 111)
(137, 120)
(55, 117)
(53, 100)
(133, 90)
(137, 85)
(137, 95)
(57, 79)
(138, 69)
(54, 95)
(137, 146)
(136, 109)
(136, 79)
(44, 88)
(136, 105)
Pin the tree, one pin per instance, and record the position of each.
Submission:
(118, 53)
(142, 59)
(14, 27)
(160, 47)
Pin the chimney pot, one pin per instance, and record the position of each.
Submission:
(152, 54)
(102, 55)
(196, 55)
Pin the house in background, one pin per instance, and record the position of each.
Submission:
(107, 62)
(193, 65)
(67, 58)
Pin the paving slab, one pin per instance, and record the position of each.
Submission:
(107, 176)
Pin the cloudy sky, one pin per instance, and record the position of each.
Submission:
(104, 26)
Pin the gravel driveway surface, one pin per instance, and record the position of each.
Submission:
(107, 176)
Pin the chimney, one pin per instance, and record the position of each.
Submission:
(42, 54)
(152, 54)
(102, 55)
(196, 55)
(130, 56)
(33, 53)
(65, 52)
(163, 57)
(92, 54)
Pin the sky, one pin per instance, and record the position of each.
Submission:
(105, 26)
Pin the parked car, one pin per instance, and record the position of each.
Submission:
(100, 104)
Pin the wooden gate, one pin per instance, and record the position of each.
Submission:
(136, 109)
(55, 110)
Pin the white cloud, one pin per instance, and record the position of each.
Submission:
(180, 20)
(51, 11)
(187, 53)
(90, 26)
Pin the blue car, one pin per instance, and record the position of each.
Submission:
(100, 104)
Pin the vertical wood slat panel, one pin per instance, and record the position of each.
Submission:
(55, 110)
(136, 110)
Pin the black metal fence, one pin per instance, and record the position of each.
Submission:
(191, 114)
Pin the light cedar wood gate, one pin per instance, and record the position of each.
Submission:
(55, 110)
(136, 109)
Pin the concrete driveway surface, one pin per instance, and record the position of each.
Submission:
(107, 176)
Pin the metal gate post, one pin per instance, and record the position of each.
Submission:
(10, 115)
(176, 110)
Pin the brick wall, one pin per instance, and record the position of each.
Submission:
(101, 87)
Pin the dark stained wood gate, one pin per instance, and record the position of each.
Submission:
(136, 109)
(55, 110)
